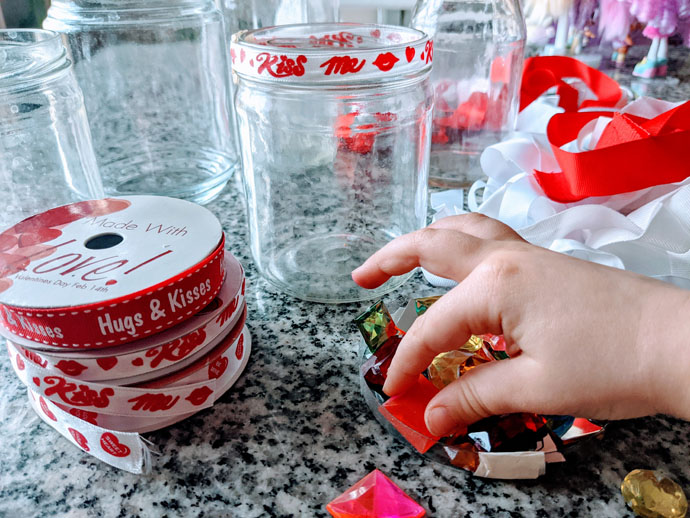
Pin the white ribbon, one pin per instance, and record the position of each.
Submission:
(646, 231)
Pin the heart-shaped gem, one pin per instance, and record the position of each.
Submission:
(653, 495)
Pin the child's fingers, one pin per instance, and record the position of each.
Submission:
(445, 326)
(478, 225)
(495, 388)
(447, 253)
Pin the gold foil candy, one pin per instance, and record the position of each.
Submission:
(473, 344)
(652, 495)
(447, 367)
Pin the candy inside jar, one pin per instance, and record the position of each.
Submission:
(479, 47)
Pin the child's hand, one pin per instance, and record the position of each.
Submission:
(584, 339)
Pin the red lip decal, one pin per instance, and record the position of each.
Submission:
(111, 445)
(409, 54)
(243, 54)
(5, 284)
(217, 368)
(7, 241)
(80, 439)
(70, 367)
(240, 348)
(42, 235)
(12, 263)
(46, 410)
(84, 415)
(107, 363)
(199, 396)
(20, 363)
(37, 381)
(376, 33)
(386, 61)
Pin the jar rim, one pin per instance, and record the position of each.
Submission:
(330, 52)
(6, 36)
(332, 36)
(27, 55)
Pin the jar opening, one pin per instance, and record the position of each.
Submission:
(28, 53)
(330, 53)
(123, 5)
(332, 37)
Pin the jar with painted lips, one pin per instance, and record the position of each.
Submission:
(334, 123)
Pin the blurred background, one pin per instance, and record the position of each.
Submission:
(30, 13)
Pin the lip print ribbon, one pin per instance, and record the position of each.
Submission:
(632, 153)
(115, 440)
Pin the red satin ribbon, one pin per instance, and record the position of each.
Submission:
(633, 153)
(544, 72)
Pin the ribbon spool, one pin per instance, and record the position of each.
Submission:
(99, 273)
(123, 316)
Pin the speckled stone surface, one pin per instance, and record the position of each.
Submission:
(294, 432)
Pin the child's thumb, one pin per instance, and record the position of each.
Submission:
(500, 387)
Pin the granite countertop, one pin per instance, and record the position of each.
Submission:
(294, 432)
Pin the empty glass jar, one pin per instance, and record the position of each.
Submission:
(46, 156)
(479, 47)
(255, 14)
(334, 121)
(155, 77)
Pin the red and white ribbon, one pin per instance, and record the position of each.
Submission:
(124, 448)
(330, 53)
(81, 277)
(152, 356)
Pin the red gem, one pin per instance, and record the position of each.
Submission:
(375, 369)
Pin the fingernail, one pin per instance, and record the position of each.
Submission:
(439, 421)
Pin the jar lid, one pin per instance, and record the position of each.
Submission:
(330, 52)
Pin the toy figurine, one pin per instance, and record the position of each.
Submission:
(663, 18)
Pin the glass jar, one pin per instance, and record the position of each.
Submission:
(479, 47)
(155, 77)
(334, 121)
(255, 14)
(46, 155)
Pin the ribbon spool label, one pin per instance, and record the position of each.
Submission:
(105, 272)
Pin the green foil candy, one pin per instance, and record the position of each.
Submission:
(376, 326)
(421, 305)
